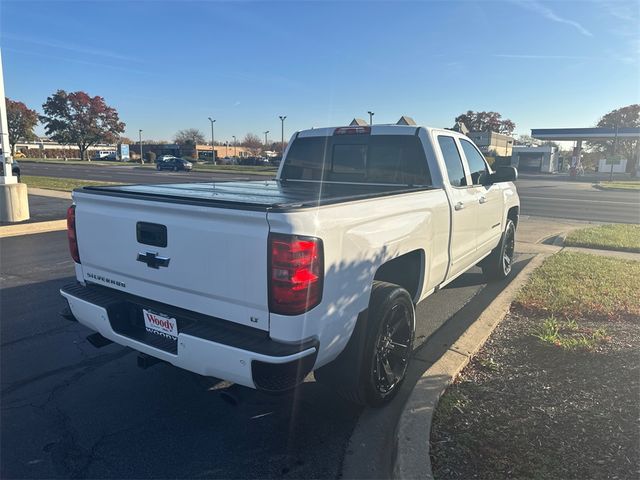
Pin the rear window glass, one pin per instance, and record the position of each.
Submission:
(391, 159)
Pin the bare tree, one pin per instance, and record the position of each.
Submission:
(191, 136)
(252, 142)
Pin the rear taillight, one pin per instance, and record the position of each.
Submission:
(296, 273)
(72, 236)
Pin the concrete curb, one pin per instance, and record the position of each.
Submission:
(613, 189)
(32, 228)
(44, 192)
(414, 428)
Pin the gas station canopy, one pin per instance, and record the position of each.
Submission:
(576, 134)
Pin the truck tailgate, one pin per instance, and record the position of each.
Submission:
(214, 261)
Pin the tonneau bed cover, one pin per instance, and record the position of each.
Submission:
(274, 195)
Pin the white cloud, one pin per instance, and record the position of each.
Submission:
(525, 56)
(546, 12)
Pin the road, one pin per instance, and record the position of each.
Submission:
(559, 197)
(126, 174)
(541, 195)
(70, 410)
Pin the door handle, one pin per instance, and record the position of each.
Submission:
(483, 199)
(459, 206)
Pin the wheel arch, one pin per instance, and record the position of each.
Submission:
(406, 270)
(513, 214)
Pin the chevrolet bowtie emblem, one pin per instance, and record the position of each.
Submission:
(153, 260)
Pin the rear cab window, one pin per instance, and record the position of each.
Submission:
(382, 159)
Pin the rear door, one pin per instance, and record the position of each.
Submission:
(464, 207)
(490, 202)
(205, 259)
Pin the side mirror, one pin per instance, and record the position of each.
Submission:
(504, 174)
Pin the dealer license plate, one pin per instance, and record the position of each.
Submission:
(160, 324)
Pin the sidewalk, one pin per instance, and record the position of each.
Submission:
(536, 236)
(48, 211)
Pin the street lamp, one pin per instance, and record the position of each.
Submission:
(213, 149)
(235, 150)
(615, 149)
(371, 114)
(282, 119)
(140, 137)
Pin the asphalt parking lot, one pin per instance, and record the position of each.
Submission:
(72, 411)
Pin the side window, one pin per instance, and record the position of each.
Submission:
(477, 165)
(453, 161)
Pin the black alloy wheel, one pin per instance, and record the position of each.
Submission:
(393, 349)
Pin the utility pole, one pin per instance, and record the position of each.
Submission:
(213, 149)
(14, 203)
(235, 150)
(371, 114)
(282, 119)
(615, 149)
(140, 140)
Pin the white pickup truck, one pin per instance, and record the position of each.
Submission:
(262, 282)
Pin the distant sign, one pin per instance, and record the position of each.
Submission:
(124, 152)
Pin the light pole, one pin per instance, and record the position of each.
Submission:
(213, 149)
(615, 148)
(140, 139)
(282, 119)
(235, 150)
(371, 114)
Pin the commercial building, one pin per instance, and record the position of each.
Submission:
(492, 143)
(535, 159)
(579, 135)
(51, 149)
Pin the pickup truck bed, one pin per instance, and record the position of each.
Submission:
(271, 195)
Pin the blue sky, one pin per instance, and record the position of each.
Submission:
(168, 65)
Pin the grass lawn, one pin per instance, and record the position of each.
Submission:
(625, 185)
(554, 392)
(572, 286)
(608, 237)
(64, 184)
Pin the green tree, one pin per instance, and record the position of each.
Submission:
(21, 121)
(625, 117)
(77, 118)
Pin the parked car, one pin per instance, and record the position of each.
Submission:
(174, 164)
(226, 161)
(104, 155)
(275, 161)
(260, 283)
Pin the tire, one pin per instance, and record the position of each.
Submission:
(385, 349)
(498, 265)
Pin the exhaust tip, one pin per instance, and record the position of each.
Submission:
(98, 341)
